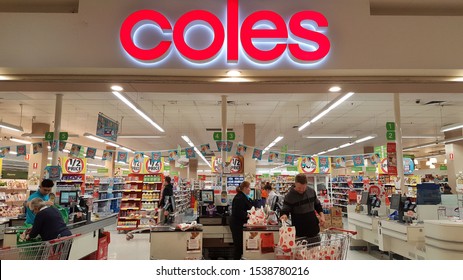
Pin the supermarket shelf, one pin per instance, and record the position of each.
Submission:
(148, 200)
(106, 199)
(129, 218)
(152, 183)
(340, 199)
(145, 209)
(341, 205)
(134, 182)
(125, 228)
(70, 181)
(12, 190)
(129, 208)
(134, 190)
(151, 190)
(131, 199)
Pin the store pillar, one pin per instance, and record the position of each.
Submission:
(193, 169)
(249, 139)
(110, 163)
(454, 156)
(38, 162)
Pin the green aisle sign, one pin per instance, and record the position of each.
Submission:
(174, 173)
(390, 126)
(357, 169)
(371, 169)
(217, 136)
(291, 168)
(231, 135)
(277, 174)
(166, 168)
(390, 136)
(63, 136)
(102, 170)
(49, 136)
(443, 167)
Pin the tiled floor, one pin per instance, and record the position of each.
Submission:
(138, 248)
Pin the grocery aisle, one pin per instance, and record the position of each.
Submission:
(138, 248)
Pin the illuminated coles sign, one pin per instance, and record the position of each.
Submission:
(305, 44)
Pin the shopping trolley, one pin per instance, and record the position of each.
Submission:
(56, 249)
(332, 244)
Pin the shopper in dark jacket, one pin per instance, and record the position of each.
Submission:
(302, 203)
(167, 198)
(49, 223)
(240, 205)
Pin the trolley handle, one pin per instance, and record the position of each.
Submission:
(60, 239)
(351, 232)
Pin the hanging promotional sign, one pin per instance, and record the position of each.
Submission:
(340, 162)
(37, 148)
(241, 150)
(122, 156)
(107, 127)
(205, 149)
(289, 159)
(409, 166)
(308, 165)
(273, 156)
(135, 166)
(21, 150)
(91, 152)
(236, 165)
(257, 154)
(324, 164)
(300, 39)
(153, 166)
(190, 152)
(358, 160)
(73, 165)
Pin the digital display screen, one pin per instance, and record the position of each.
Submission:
(395, 201)
(207, 196)
(364, 199)
(68, 197)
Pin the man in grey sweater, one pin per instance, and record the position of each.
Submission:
(302, 203)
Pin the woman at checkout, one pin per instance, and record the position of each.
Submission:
(240, 206)
(49, 223)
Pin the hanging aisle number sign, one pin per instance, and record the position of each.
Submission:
(390, 134)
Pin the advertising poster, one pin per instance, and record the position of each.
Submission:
(4, 151)
(91, 152)
(409, 166)
(324, 164)
(107, 155)
(61, 146)
(190, 152)
(73, 165)
(21, 150)
(241, 150)
(107, 128)
(173, 155)
(289, 159)
(374, 158)
(205, 149)
(392, 163)
(37, 148)
(340, 162)
(122, 157)
(53, 172)
(308, 165)
(382, 166)
(358, 160)
(139, 156)
(257, 154)
(75, 150)
(156, 156)
(273, 157)
(54, 145)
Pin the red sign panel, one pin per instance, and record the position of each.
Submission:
(391, 147)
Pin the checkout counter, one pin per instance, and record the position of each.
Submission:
(87, 226)
(443, 239)
(259, 242)
(366, 226)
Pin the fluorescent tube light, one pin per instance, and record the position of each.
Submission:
(13, 153)
(11, 127)
(451, 127)
(20, 141)
(346, 145)
(328, 136)
(330, 106)
(117, 88)
(90, 136)
(278, 139)
(136, 108)
(140, 136)
(335, 103)
(365, 139)
(233, 73)
(126, 149)
(112, 144)
(332, 149)
(191, 144)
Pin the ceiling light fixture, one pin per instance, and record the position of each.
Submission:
(459, 79)
(191, 144)
(41, 136)
(335, 89)
(233, 73)
(20, 141)
(333, 136)
(278, 139)
(369, 137)
(117, 88)
(233, 80)
(420, 146)
(451, 127)
(420, 136)
(137, 109)
(454, 139)
(112, 144)
(93, 137)
(140, 136)
(127, 149)
(11, 127)
(330, 106)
